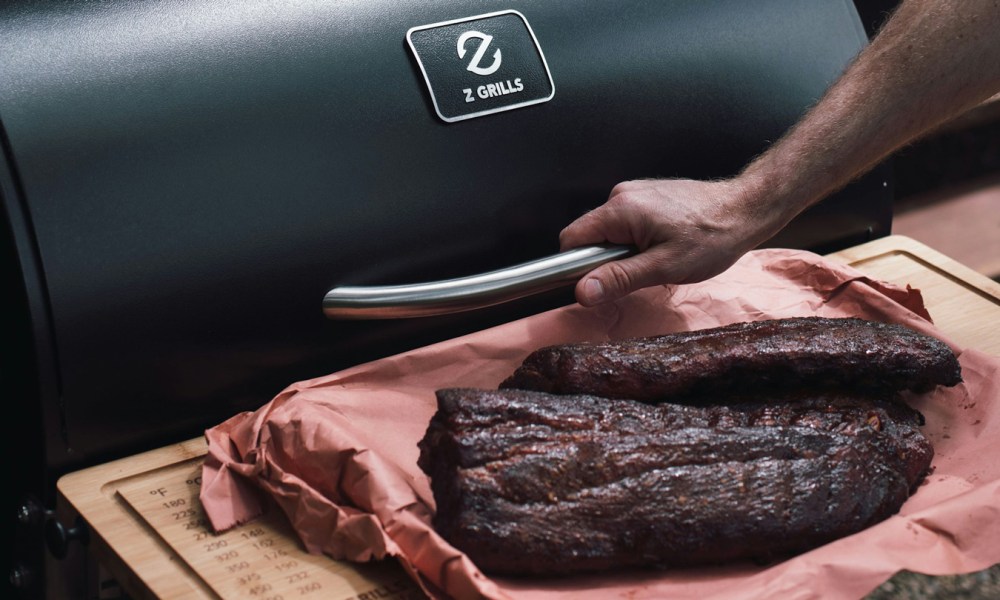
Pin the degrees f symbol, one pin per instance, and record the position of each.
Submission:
(478, 56)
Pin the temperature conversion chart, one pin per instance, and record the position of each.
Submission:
(260, 560)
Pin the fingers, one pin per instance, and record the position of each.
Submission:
(618, 221)
(610, 222)
(617, 279)
(615, 221)
(588, 229)
(636, 185)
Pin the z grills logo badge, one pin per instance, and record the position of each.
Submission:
(481, 65)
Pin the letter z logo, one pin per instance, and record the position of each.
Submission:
(477, 58)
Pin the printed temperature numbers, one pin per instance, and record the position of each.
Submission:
(262, 559)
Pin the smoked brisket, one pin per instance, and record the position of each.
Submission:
(528, 482)
(745, 358)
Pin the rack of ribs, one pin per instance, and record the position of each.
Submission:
(744, 358)
(532, 483)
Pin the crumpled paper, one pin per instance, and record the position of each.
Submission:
(339, 453)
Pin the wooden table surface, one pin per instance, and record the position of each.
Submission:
(148, 530)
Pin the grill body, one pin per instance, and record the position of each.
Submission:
(182, 180)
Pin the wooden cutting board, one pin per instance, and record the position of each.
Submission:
(148, 529)
(964, 304)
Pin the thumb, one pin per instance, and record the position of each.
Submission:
(617, 279)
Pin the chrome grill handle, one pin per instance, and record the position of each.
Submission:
(468, 293)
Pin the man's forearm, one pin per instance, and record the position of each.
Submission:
(933, 60)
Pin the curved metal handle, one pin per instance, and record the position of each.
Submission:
(468, 293)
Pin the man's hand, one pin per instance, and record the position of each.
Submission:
(933, 60)
(686, 231)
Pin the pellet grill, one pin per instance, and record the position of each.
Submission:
(183, 181)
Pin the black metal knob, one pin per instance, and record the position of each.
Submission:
(21, 577)
(58, 537)
(31, 513)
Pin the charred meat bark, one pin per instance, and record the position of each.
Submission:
(527, 482)
(782, 354)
